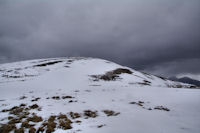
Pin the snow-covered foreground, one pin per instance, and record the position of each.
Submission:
(135, 102)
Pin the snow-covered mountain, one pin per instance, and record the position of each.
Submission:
(90, 95)
(186, 80)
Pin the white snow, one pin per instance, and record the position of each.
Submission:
(72, 77)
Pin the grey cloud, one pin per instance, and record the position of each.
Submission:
(144, 35)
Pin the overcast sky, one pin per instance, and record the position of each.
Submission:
(157, 36)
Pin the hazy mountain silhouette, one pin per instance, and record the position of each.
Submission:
(186, 80)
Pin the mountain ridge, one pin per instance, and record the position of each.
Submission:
(36, 66)
(187, 80)
(87, 95)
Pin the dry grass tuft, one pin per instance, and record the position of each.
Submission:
(47, 64)
(32, 130)
(35, 118)
(89, 113)
(36, 99)
(112, 75)
(74, 115)
(56, 97)
(6, 128)
(162, 108)
(110, 113)
(19, 130)
(34, 106)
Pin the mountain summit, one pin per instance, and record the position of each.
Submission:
(79, 69)
(90, 95)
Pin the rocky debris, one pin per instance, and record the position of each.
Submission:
(67, 97)
(90, 114)
(56, 97)
(111, 75)
(111, 113)
(35, 118)
(100, 126)
(47, 64)
(162, 108)
(34, 106)
(74, 115)
(22, 97)
(139, 103)
(36, 99)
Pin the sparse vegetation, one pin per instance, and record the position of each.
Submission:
(100, 126)
(139, 103)
(35, 118)
(122, 70)
(6, 128)
(36, 99)
(66, 97)
(22, 97)
(47, 64)
(143, 83)
(74, 115)
(19, 130)
(111, 75)
(110, 113)
(56, 97)
(34, 106)
(162, 108)
(64, 122)
(90, 114)
(26, 124)
(32, 130)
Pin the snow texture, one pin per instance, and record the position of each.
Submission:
(133, 96)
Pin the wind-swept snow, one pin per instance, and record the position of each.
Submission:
(64, 85)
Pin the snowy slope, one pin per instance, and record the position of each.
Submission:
(135, 102)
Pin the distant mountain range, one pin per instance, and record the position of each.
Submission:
(186, 80)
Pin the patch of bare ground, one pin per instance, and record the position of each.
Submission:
(25, 124)
(111, 113)
(74, 115)
(141, 104)
(35, 118)
(71, 101)
(34, 106)
(19, 130)
(47, 64)
(111, 75)
(21, 115)
(56, 97)
(67, 97)
(100, 126)
(78, 121)
(6, 128)
(32, 130)
(35, 99)
(22, 97)
(90, 114)
(94, 85)
(162, 108)
(20, 120)
(50, 125)
(64, 122)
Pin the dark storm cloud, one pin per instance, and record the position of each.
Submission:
(160, 36)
